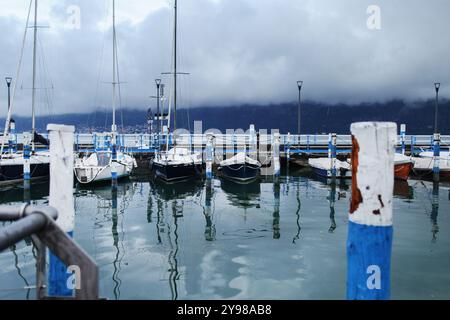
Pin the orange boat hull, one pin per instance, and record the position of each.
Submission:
(402, 171)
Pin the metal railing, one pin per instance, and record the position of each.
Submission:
(149, 142)
(38, 222)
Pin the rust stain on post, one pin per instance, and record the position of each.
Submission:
(356, 193)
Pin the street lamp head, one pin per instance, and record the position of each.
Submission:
(8, 81)
(299, 84)
(158, 82)
(437, 85)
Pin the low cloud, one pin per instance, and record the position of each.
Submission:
(236, 51)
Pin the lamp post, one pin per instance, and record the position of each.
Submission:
(8, 83)
(437, 85)
(299, 85)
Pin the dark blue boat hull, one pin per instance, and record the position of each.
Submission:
(14, 173)
(340, 174)
(240, 172)
(178, 172)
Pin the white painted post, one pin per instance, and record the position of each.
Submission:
(276, 154)
(209, 154)
(437, 155)
(61, 198)
(403, 137)
(370, 230)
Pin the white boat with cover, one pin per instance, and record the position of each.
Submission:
(98, 167)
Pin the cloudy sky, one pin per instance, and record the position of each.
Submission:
(236, 51)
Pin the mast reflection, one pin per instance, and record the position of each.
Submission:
(435, 212)
(276, 209)
(332, 201)
(210, 230)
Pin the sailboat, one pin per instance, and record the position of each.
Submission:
(12, 164)
(108, 164)
(177, 163)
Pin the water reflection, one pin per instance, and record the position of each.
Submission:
(332, 200)
(242, 195)
(210, 229)
(297, 212)
(174, 275)
(185, 258)
(276, 209)
(435, 212)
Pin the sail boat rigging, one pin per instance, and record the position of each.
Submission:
(13, 166)
(178, 163)
(109, 164)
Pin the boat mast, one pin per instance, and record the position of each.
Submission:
(33, 94)
(175, 71)
(113, 128)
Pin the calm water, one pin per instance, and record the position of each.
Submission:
(268, 240)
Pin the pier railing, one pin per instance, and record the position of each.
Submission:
(297, 144)
(38, 222)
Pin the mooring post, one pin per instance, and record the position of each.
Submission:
(276, 154)
(332, 142)
(61, 198)
(12, 136)
(253, 143)
(370, 228)
(288, 148)
(403, 137)
(209, 154)
(436, 157)
(26, 159)
(113, 165)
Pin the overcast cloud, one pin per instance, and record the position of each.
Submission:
(236, 51)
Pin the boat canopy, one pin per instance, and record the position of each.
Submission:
(240, 157)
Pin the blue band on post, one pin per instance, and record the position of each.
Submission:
(58, 276)
(369, 262)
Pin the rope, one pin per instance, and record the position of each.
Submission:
(19, 65)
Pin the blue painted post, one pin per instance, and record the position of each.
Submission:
(209, 155)
(413, 145)
(436, 156)
(403, 137)
(61, 280)
(26, 159)
(370, 228)
(276, 154)
(12, 136)
(114, 165)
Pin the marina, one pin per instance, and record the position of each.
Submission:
(169, 210)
